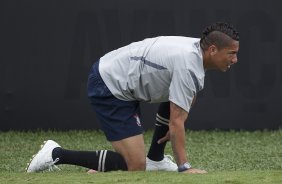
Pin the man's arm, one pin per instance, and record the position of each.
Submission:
(178, 117)
(177, 132)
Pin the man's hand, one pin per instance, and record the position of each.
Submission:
(195, 171)
(92, 171)
(165, 138)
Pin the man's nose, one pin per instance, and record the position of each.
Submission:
(234, 60)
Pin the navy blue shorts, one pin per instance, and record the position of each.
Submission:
(119, 119)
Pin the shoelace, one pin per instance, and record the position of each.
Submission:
(51, 165)
(168, 158)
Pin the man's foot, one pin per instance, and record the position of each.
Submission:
(166, 164)
(43, 159)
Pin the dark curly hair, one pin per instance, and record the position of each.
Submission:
(219, 34)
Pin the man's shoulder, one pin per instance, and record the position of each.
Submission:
(179, 39)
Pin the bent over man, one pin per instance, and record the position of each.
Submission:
(169, 70)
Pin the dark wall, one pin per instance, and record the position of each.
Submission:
(47, 48)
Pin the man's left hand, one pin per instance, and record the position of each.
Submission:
(165, 138)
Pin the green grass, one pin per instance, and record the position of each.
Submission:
(230, 157)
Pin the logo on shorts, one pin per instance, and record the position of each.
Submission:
(137, 119)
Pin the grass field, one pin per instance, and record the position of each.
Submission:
(229, 157)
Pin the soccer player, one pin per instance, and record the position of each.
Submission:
(169, 70)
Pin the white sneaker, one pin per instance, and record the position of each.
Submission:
(43, 159)
(166, 164)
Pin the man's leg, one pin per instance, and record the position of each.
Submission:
(156, 151)
(100, 160)
(130, 156)
(132, 149)
(156, 160)
(121, 125)
(52, 154)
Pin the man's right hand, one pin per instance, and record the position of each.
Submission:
(195, 171)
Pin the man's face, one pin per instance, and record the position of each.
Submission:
(223, 59)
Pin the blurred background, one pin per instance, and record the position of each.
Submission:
(48, 47)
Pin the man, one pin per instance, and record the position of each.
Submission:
(166, 69)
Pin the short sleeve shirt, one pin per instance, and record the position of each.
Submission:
(165, 68)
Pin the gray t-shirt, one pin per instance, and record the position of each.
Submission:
(165, 68)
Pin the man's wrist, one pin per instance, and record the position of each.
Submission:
(184, 167)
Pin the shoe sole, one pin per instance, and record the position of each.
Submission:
(33, 156)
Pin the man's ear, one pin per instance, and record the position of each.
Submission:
(213, 50)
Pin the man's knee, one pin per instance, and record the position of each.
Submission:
(133, 151)
(136, 165)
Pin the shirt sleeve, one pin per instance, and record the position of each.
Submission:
(182, 88)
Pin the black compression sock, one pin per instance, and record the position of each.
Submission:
(156, 151)
(102, 160)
